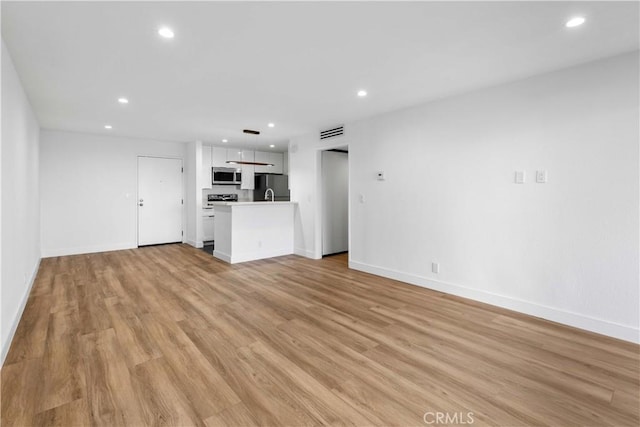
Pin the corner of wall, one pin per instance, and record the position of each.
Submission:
(20, 251)
(23, 303)
(306, 253)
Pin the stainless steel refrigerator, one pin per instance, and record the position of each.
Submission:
(278, 183)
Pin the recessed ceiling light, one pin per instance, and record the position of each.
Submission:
(362, 93)
(271, 125)
(108, 127)
(225, 141)
(272, 146)
(575, 22)
(166, 32)
(123, 100)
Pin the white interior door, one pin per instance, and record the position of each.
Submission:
(159, 200)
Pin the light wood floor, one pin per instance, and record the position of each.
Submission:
(168, 335)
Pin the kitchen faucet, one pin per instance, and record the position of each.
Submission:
(266, 194)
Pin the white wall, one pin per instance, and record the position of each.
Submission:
(20, 213)
(193, 200)
(89, 190)
(566, 250)
(304, 184)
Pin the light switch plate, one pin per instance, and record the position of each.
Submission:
(380, 175)
(541, 177)
(520, 177)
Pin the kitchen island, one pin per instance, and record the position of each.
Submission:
(247, 231)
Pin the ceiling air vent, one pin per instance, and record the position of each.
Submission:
(332, 133)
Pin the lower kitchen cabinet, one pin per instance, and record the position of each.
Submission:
(208, 223)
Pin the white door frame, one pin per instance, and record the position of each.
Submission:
(319, 206)
(138, 195)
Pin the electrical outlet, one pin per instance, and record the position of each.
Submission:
(362, 198)
(435, 267)
(541, 177)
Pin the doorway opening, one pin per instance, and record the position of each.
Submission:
(335, 201)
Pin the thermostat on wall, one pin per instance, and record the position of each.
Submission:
(380, 176)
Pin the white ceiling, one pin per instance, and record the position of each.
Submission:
(241, 65)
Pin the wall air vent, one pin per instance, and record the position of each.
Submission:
(332, 133)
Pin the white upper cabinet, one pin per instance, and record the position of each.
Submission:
(262, 157)
(275, 159)
(206, 167)
(248, 182)
(213, 156)
(278, 161)
(219, 157)
(234, 155)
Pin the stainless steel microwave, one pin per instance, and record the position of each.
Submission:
(230, 176)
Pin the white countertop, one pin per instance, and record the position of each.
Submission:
(251, 203)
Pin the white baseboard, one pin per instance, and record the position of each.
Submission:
(14, 325)
(592, 324)
(197, 245)
(305, 253)
(48, 252)
(262, 254)
(221, 255)
(251, 256)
